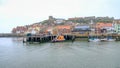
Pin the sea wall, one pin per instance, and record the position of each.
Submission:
(11, 35)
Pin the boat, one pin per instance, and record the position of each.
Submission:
(93, 39)
(103, 39)
(109, 38)
(59, 38)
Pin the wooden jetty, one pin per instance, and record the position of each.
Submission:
(47, 38)
(68, 37)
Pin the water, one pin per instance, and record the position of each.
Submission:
(15, 54)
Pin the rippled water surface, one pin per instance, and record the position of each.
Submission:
(15, 54)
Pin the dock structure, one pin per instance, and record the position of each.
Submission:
(47, 38)
(68, 37)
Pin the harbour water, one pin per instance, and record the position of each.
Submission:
(79, 54)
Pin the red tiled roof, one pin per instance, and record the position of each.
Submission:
(100, 25)
(63, 27)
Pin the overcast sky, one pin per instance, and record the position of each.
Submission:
(23, 12)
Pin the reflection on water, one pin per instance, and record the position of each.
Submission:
(15, 54)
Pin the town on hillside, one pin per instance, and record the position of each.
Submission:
(76, 25)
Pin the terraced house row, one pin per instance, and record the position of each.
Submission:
(62, 26)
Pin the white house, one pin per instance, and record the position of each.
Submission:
(59, 20)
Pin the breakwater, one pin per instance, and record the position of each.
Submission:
(11, 35)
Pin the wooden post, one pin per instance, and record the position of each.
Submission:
(51, 37)
(40, 40)
(66, 37)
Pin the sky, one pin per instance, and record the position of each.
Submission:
(24, 12)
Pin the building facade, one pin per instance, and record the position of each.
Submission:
(117, 26)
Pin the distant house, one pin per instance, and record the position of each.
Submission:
(14, 30)
(49, 30)
(117, 26)
(33, 30)
(69, 23)
(19, 30)
(104, 27)
(62, 29)
(81, 29)
(59, 20)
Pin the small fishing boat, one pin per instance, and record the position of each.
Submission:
(109, 38)
(59, 38)
(93, 39)
(103, 39)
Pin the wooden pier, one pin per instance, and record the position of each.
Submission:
(48, 38)
(68, 37)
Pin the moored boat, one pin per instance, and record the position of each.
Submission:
(103, 39)
(59, 38)
(93, 39)
(109, 38)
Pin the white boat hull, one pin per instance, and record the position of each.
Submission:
(111, 40)
(94, 40)
(104, 39)
(107, 39)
